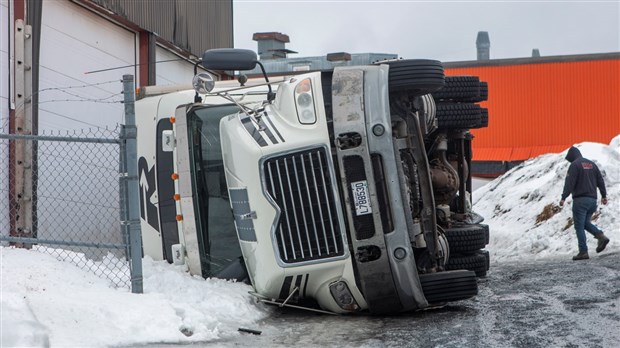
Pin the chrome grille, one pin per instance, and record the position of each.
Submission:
(300, 184)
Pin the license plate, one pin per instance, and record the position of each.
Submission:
(361, 198)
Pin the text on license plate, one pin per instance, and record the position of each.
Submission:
(361, 198)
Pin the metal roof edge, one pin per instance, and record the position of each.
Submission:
(309, 58)
(532, 60)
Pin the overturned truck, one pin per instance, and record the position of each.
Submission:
(342, 191)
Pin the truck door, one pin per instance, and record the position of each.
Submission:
(210, 235)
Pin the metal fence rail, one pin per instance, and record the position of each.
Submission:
(75, 209)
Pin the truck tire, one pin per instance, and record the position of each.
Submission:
(467, 239)
(415, 76)
(484, 92)
(459, 89)
(476, 263)
(486, 233)
(458, 116)
(484, 119)
(487, 257)
(449, 286)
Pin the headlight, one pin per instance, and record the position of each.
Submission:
(304, 102)
(343, 297)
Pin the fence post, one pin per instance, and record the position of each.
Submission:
(132, 189)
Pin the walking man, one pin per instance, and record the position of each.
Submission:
(582, 180)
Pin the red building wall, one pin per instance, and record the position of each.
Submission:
(537, 108)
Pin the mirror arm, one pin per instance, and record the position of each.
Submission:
(270, 95)
(197, 98)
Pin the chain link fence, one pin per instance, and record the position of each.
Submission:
(67, 199)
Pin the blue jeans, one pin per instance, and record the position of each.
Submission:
(583, 208)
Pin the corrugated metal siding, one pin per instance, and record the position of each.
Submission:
(189, 24)
(547, 107)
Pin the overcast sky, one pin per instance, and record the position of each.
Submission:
(443, 30)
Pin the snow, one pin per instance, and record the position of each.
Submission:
(512, 202)
(49, 302)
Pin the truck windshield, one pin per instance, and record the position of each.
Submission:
(217, 237)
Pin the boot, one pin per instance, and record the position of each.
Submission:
(583, 255)
(602, 242)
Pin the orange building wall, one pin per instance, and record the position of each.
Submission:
(546, 107)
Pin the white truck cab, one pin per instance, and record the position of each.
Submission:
(318, 189)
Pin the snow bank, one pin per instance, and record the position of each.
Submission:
(512, 203)
(49, 302)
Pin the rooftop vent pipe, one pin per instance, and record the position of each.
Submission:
(483, 44)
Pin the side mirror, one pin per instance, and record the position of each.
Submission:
(203, 83)
(229, 59)
(233, 59)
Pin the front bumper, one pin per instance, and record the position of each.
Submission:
(380, 238)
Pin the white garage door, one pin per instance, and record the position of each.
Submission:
(171, 69)
(4, 63)
(75, 178)
(74, 43)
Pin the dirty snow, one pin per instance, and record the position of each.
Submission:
(46, 302)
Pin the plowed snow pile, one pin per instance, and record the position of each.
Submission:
(512, 203)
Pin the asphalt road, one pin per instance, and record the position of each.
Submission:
(546, 303)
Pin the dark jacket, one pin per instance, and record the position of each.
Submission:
(583, 177)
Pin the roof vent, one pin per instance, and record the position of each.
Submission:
(483, 44)
(271, 45)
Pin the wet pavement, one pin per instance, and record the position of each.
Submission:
(545, 303)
